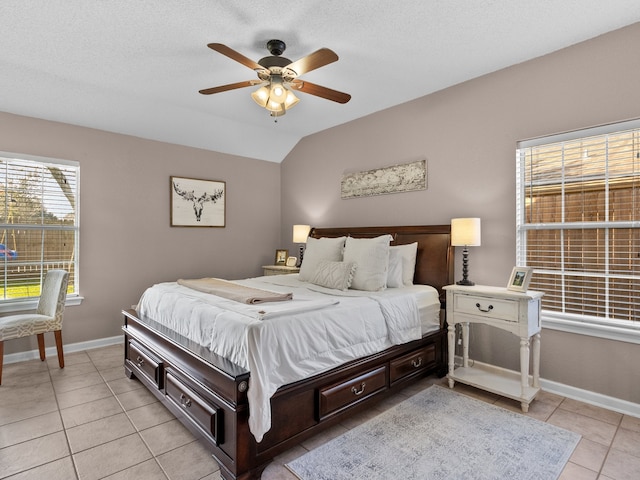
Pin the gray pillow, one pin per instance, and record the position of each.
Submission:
(336, 275)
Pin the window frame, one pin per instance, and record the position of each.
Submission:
(607, 328)
(30, 303)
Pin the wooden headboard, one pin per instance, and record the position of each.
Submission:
(434, 262)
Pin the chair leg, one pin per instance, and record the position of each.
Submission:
(1, 358)
(58, 335)
(41, 345)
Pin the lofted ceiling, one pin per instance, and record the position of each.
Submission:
(135, 67)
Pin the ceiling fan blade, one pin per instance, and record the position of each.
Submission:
(314, 60)
(233, 55)
(319, 91)
(231, 86)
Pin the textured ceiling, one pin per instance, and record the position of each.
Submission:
(135, 67)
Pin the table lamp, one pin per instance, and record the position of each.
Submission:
(300, 234)
(465, 232)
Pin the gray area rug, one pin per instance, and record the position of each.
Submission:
(440, 434)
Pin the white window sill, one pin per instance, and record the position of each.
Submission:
(621, 331)
(31, 304)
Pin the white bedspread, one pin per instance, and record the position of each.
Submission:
(283, 342)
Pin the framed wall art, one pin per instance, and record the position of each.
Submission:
(407, 177)
(520, 278)
(197, 203)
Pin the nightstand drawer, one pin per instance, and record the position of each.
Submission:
(501, 308)
(279, 270)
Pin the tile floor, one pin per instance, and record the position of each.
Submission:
(74, 423)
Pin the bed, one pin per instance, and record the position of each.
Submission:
(210, 390)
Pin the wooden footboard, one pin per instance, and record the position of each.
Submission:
(207, 393)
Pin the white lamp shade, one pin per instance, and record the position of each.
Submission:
(300, 233)
(465, 232)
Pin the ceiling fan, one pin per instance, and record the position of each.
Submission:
(278, 76)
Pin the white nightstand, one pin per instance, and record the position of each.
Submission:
(279, 270)
(515, 312)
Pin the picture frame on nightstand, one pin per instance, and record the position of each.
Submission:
(281, 257)
(292, 261)
(520, 279)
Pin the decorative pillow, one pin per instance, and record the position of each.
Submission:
(394, 275)
(336, 275)
(319, 249)
(372, 257)
(408, 254)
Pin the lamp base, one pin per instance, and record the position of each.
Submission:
(465, 269)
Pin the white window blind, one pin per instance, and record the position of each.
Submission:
(38, 223)
(578, 222)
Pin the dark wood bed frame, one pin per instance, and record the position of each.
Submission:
(207, 393)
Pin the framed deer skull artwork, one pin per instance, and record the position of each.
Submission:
(197, 203)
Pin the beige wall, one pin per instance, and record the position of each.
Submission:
(126, 243)
(468, 135)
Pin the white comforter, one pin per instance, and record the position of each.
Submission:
(283, 342)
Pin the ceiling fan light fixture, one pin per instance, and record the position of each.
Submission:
(275, 97)
(261, 96)
(278, 91)
(274, 106)
(291, 100)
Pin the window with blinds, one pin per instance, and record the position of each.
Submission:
(38, 223)
(578, 222)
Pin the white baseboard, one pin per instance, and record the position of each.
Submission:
(586, 396)
(68, 348)
(592, 398)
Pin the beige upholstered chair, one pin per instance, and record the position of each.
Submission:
(48, 316)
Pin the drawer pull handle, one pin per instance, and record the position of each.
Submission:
(185, 401)
(355, 391)
(484, 310)
(418, 363)
(140, 361)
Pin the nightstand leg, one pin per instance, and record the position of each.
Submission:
(524, 364)
(465, 344)
(451, 337)
(536, 360)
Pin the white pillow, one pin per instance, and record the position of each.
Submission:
(372, 257)
(408, 254)
(336, 275)
(394, 275)
(319, 249)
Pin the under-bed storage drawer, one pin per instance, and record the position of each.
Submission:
(202, 412)
(339, 396)
(145, 362)
(412, 363)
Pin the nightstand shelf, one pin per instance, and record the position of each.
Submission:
(279, 270)
(515, 312)
(501, 382)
